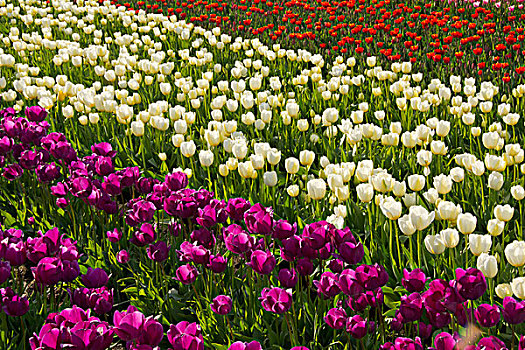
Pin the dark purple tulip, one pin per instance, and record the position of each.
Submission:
(408, 344)
(5, 145)
(81, 187)
(491, 343)
(304, 267)
(371, 276)
(236, 207)
(513, 311)
(424, 330)
(15, 305)
(176, 181)
(100, 300)
(375, 298)
(129, 176)
(259, 220)
(291, 248)
(158, 251)
(212, 214)
(95, 278)
(186, 274)
(144, 185)
(48, 271)
(104, 166)
(348, 284)
(204, 237)
(358, 303)
(152, 332)
(236, 239)
(438, 319)
(15, 253)
(521, 345)
(444, 341)
(70, 270)
(276, 300)
(122, 257)
(262, 262)
(12, 172)
(143, 211)
(413, 281)
(47, 338)
(175, 228)
(411, 307)
(283, 229)
(356, 326)
(239, 345)
(351, 253)
(35, 113)
(327, 285)
(60, 190)
(336, 318)
(461, 315)
(336, 265)
(186, 336)
(200, 255)
(144, 236)
(5, 271)
(103, 149)
(217, 263)
(288, 278)
(128, 324)
(221, 305)
(112, 184)
(487, 315)
(397, 322)
(317, 234)
(470, 283)
(114, 236)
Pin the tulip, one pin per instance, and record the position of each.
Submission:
(365, 192)
(356, 326)
(470, 283)
(276, 300)
(488, 265)
(288, 277)
(186, 335)
(515, 253)
(513, 311)
(420, 217)
(316, 189)
(487, 315)
(254, 345)
(186, 274)
(336, 318)
(434, 244)
(95, 278)
(122, 257)
(221, 305)
(504, 212)
(5, 271)
(495, 227)
(413, 281)
(503, 290)
(479, 243)
(262, 262)
(158, 251)
(411, 307)
(518, 287)
(128, 324)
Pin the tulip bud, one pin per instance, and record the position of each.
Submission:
(488, 265)
(434, 244)
(450, 237)
(365, 192)
(503, 290)
(466, 223)
(504, 212)
(316, 188)
(479, 243)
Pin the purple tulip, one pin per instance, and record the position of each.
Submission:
(371, 277)
(336, 318)
(239, 345)
(128, 324)
(521, 345)
(262, 262)
(100, 300)
(112, 185)
(283, 229)
(143, 211)
(236, 207)
(70, 270)
(46, 173)
(48, 271)
(186, 274)
(221, 305)
(259, 220)
(336, 265)
(236, 239)
(14, 305)
(217, 263)
(158, 251)
(35, 113)
(288, 278)
(114, 236)
(444, 341)
(327, 285)
(348, 283)
(95, 278)
(144, 236)
(122, 257)
(12, 172)
(491, 343)
(186, 336)
(6, 143)
(291, 248)
(356, 326)
(408, 344)
(487, 315)
(152, 332)
(5, 271)
(513, 311)
(276, 300)
(199, 254)
(470, 283)
(351, 253)
(304, 267)
(411, 307)
(424, 330)
(176, 181)
(316, 234)
(413, 281)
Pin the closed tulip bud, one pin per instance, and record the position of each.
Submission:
(496, 181)
(434, 244)
(163, 156)
(405, 225)
(424, 158)
(488, 265)
(291, 165)
(223, 170)
(293, 190)
(416, 182)
(518, 193)
(450, 237)
(504, 212)
(442, 128)
(399, 188)
(518, 287)
(503, 290)
(479, 244)
(188, 148)
(475, 131)
(466, 223)
(137, 128)
(270, 178)
(273, 156)
(306, 157)
(365, 192)
(316, 188)
(457, 174)
(515, 253)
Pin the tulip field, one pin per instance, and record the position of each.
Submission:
(255, 175)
